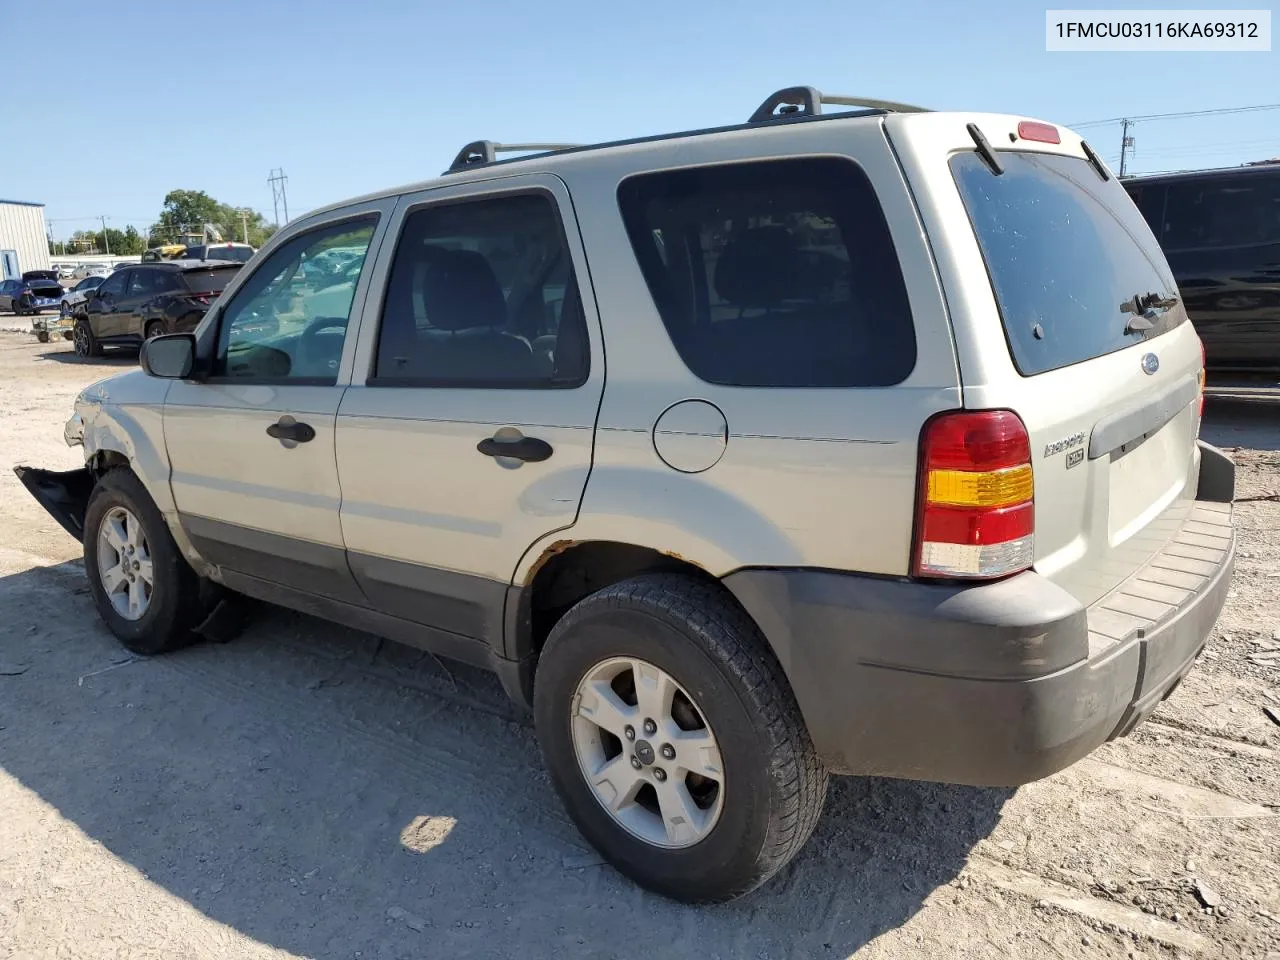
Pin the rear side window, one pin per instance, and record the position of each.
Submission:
(1067, 253)
(1238, 211)
(482, 293)
(773, 274)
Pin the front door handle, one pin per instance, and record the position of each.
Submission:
(515, 446)
(290, 432)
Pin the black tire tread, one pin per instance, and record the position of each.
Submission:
(190, 602)
(732, 639)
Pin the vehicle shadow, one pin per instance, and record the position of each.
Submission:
(112, 356)
(325, 793)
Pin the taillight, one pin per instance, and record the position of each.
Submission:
(1201, 379)
(975, 506)
(1041, 132)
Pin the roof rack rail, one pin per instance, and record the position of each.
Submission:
(486, 151)
(808, 101)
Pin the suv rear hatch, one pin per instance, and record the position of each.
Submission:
(1064, 311)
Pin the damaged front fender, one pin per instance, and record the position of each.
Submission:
(64, 494)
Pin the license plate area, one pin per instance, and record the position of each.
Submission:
(1144, 477)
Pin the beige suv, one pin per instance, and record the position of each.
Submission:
(854, 443)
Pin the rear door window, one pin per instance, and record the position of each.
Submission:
(1239, 211)
(1067, 253)
(774, 274)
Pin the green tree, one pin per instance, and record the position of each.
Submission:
(185, 212)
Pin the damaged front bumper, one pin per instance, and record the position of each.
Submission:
(64, 494)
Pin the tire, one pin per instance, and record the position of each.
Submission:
(772, 785)
(176, 603)
(42, 336)
(86, 343)
(153, 329)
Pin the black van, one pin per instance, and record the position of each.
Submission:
(1220, 230)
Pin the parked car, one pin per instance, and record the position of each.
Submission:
(239, 252)
(73, 300)
(33, 293)
(935, 511)
(65, 271)
(91, 270)
(1220, 230)
(143, 301)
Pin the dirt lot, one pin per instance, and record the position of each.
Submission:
(308, 791)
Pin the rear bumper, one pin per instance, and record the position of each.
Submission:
(997, 684)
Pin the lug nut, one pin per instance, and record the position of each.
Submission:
(650, 728)
(635, 762)
(659, 774)
(668, 752)
(630, 732)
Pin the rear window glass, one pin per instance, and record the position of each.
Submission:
(209, 281)
(773, 274)
(1222, 212)
(239, 254)
(1067, 253)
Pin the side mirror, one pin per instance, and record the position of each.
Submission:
(172, 356)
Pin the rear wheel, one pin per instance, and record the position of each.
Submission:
(42, 336)
(674, 740)
(86, 343)
(146, 593)
(153, 329)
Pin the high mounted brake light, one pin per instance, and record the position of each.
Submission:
(1039, 132)
(975, 512)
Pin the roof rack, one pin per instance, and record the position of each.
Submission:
(486, 151)
(808, 101)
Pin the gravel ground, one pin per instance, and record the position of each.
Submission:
(309, 791)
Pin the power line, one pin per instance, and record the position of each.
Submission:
(1220, 111)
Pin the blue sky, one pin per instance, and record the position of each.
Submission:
(349, 97)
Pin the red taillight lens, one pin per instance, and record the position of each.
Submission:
(1040, 132)
(976, 512)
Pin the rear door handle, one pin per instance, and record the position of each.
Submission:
(291, 432)
(528, 449)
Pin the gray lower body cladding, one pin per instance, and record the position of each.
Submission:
(997, 684)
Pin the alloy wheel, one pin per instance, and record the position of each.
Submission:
(124, 563)
(647, 753)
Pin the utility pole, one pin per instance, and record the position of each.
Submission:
(105, 242)
(244, 225)
(1126, 144)
(278, 196)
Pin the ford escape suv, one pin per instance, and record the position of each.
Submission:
(854, 443)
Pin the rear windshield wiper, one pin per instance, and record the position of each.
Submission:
(1143, 306)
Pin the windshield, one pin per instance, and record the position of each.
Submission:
(209, 281)
(1067, 253)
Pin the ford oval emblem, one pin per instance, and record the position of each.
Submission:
(1150, 363)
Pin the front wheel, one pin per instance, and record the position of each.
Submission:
(42, 336)
(153, 329)
(145, 591)
(86, 343)
(674, 740)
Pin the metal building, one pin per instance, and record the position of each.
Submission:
(24, 242)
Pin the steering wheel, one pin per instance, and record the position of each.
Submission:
(309, 346)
